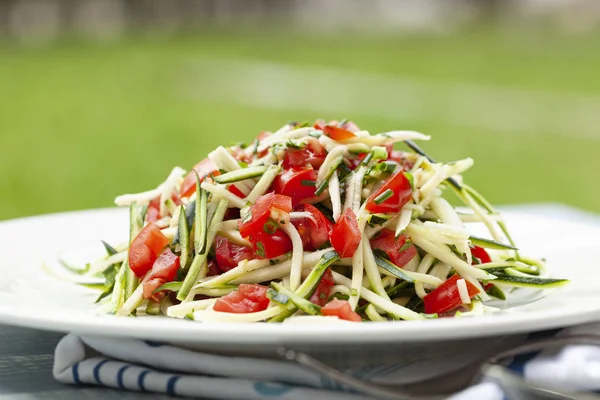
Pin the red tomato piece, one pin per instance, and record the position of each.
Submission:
(229, 255)
(336, 133)
(401, 190)
(314, 231)
(341, 309)
(163, 270)
(481, 254)
(351, 127)
(260, 212)
(233, 189)
(290, 183)
(397, 249)
(323, 290)
(203, 168)
(267, 245)
(313, 153)
(145, 248)
(345, 235)
(153, 212)
(248, 298)
(446, 296)
(400, 158)
(213, 268)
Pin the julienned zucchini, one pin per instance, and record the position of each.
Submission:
(391, 268)
(184, 239)
(153, 308)
(490, 244)
(201, 219)
(309, 285)
(529, 282)
(298, 301)
(241, 174)
(136, 222)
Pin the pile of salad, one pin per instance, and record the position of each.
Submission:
(313, 222)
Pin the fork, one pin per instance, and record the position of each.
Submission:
(457, 380)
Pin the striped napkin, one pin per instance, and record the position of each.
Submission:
(145, 366)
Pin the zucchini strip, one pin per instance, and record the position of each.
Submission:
(490, 244)
(201, 220)
(298, 301)
(263, 183)
(529, 282)
(240, 175)
(199, 260)
(184, 240)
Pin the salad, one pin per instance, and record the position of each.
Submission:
(318, 221)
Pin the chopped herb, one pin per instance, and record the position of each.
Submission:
(383, 196)
(305, 182)
(344, 121)
(322, 187)
(343, 172)
(411, 179)
(272, 262)
(109, 249)
(407, 245)
(260, 249)
(322, 295)
(255, 148)
(367, 159)
(243, 164)
(292, 145)
(305, 124)
(270, 227)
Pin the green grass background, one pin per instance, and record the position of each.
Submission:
(82, 122)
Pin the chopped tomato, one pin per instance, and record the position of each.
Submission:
(399, 250)
(233, 189)
(446, 296)
(239, 154)
(341, 309)
(400, 158)
(213, 268)
(229, 255)
(355, 162)
(351, 126)
(345, 235)
(400, 189)
(203, 168)
(323, 290)
(266, 245)
(297, 183)
(260, 212)
(163, 270)
(313, 153)
(315, 230)
(248, 298)
(145, 248)
(336, 133)
(481, 254)
(153, 212)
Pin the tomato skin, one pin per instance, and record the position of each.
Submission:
(203, 169)
(400, 158)
(248, 298)
(481, 254)
(228, 255)
(446, 296)
(261, 210)
(153, 212)
(341, 309)
(345, 235)
(289, 183)
(314, 232)
(233, 189)
(312, 154)
(145, 248)
(402, 192)
(323, 289)
(337, 133)
(213, 268)
(266, 246)
(388, 243)
(163, 270)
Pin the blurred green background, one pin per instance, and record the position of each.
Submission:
(82, 121)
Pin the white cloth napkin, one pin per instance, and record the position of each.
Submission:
(159, 368)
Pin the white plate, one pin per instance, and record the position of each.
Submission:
(31, 298)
